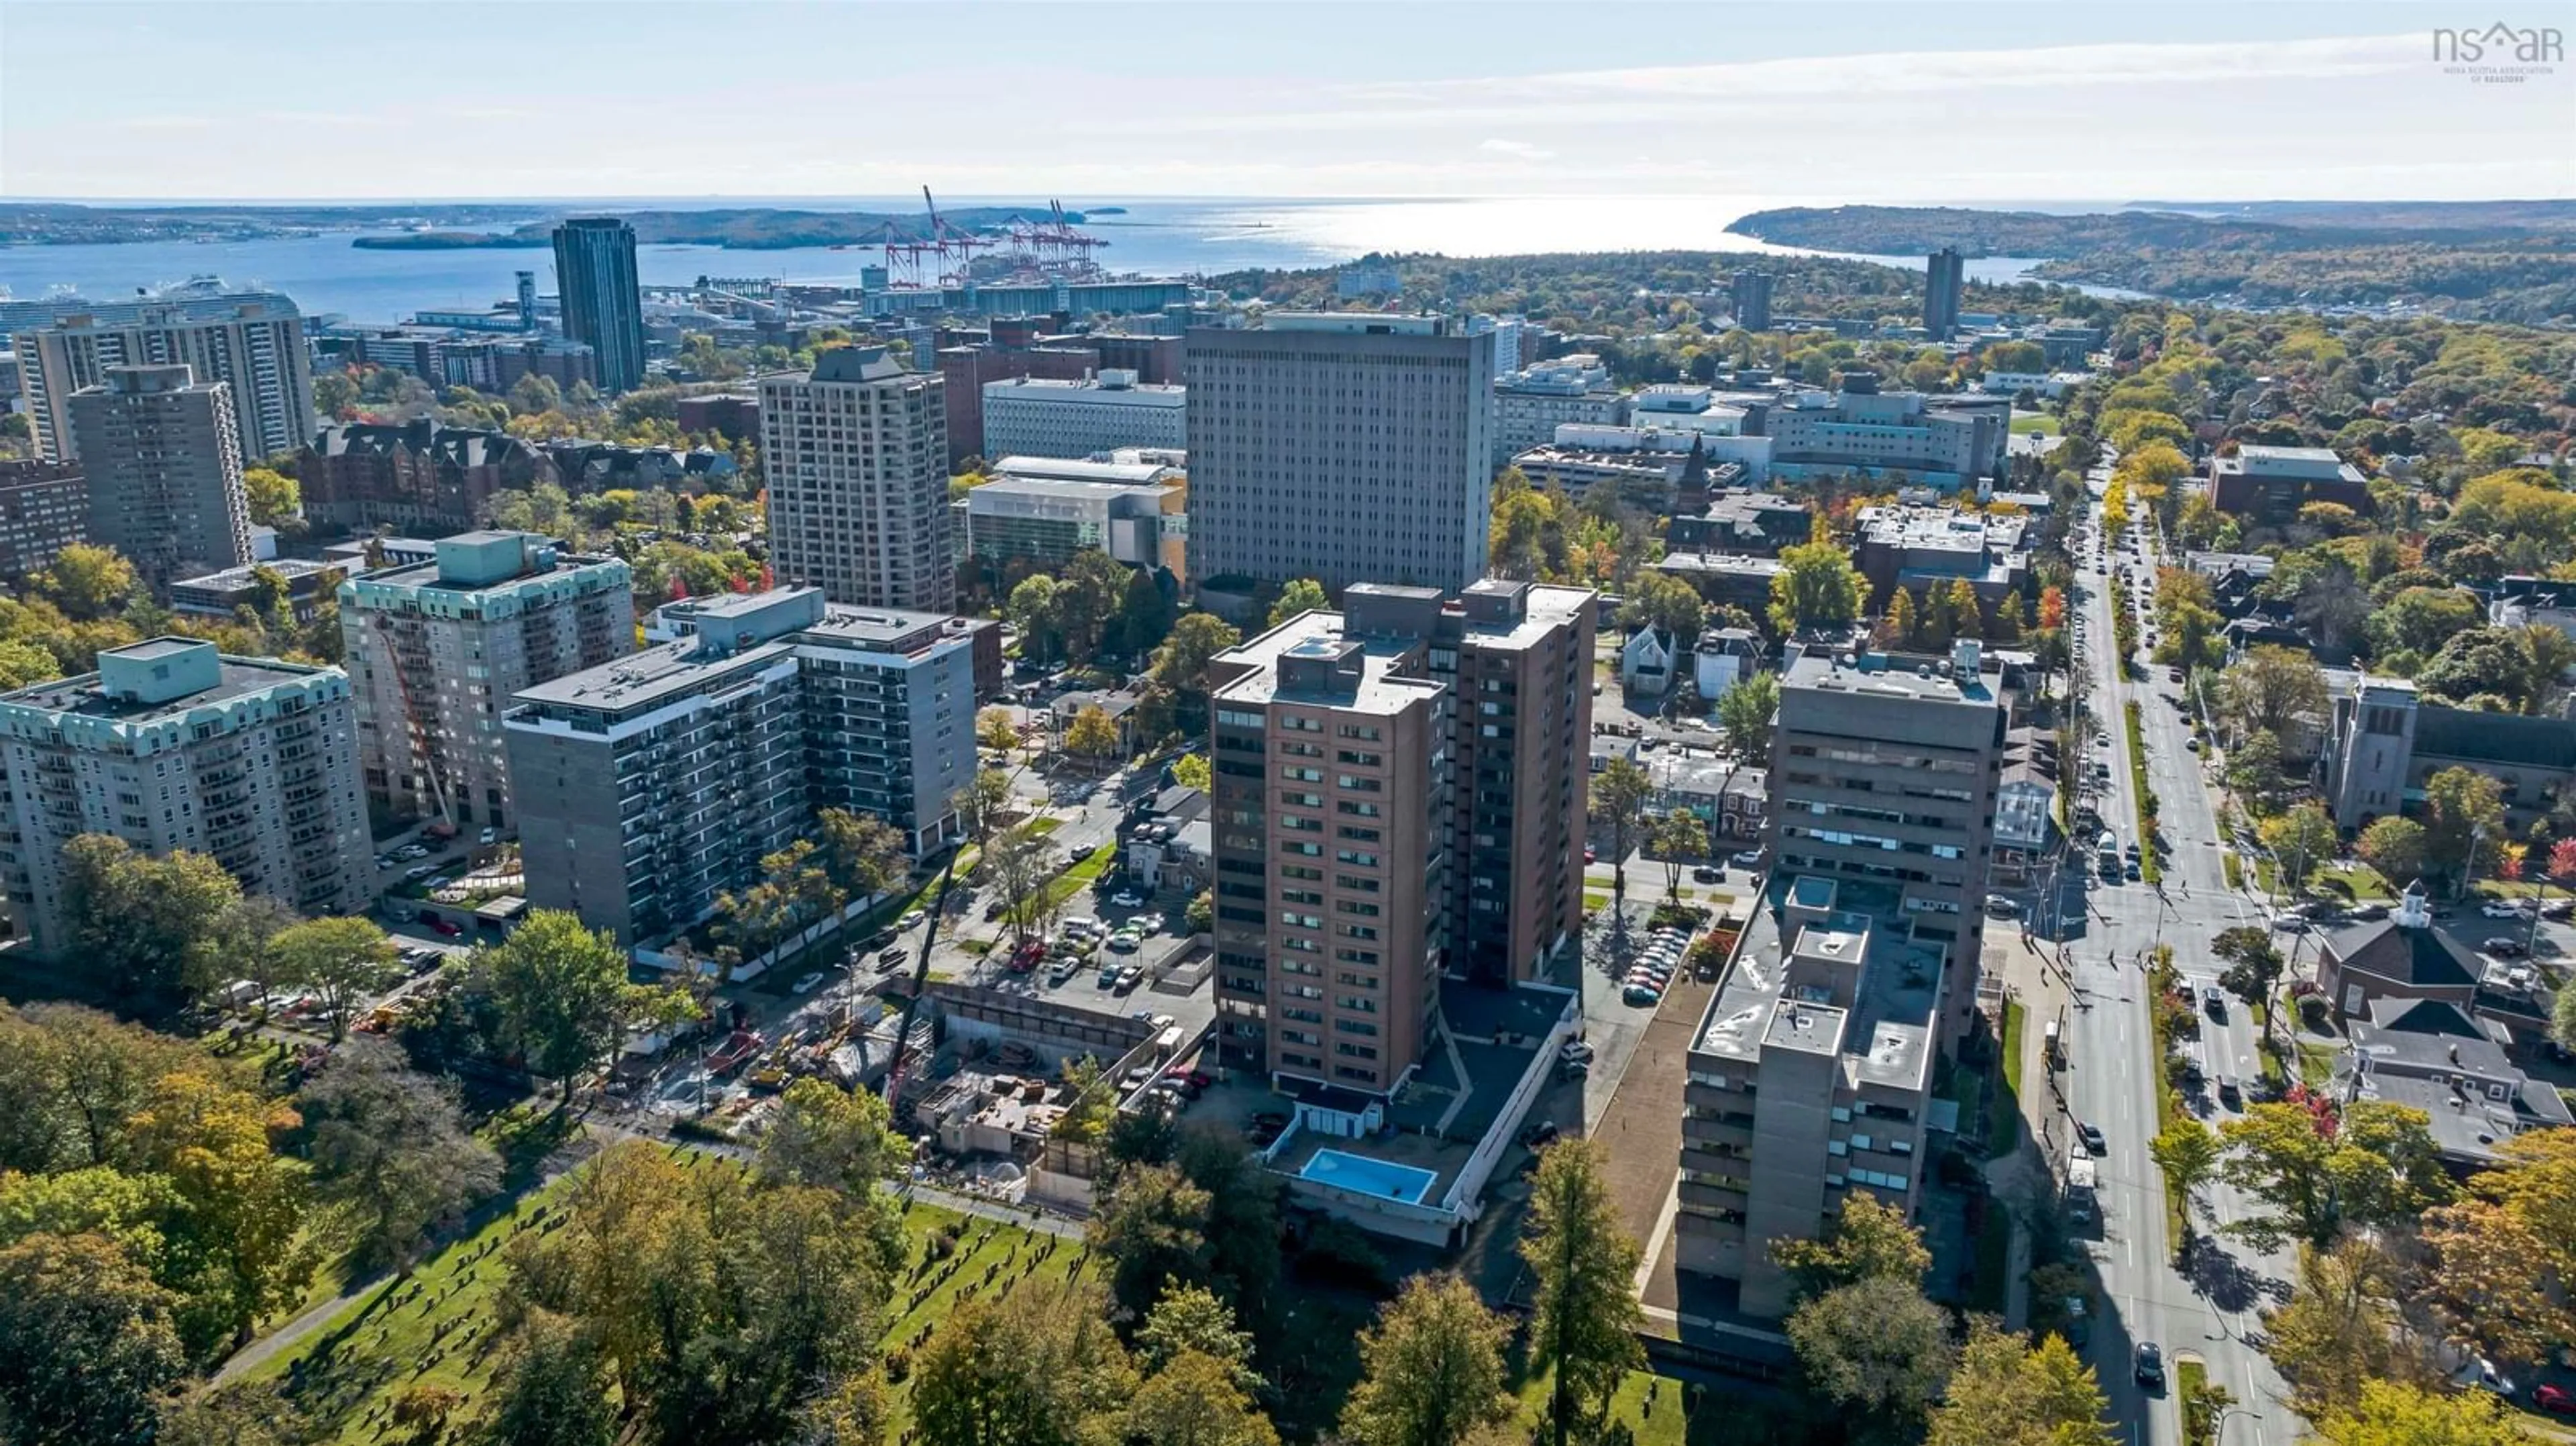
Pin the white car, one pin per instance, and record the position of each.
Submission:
(1576, 1050)
(1125, 943)
(490, 836)
(2501, 910)
(2290, 923)
(807, 984)
(1127, 899)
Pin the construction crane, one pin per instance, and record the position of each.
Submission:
(414, 730)
(947, 238)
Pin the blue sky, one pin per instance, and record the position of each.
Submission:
(1094, 102)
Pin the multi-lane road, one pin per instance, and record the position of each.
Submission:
(2112, 1079)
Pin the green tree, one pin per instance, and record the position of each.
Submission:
(1816, 588)
(2316, 1170)
(87, 1341)
(1034, 1368)
(1092, 734)
(982, 803)
(2188, 1152)
(1744, 714)
(2395, 847)
(23, 665)
(2300, 839)
(2007, 1392)
(1585, 1319)
(1878, 1351)
(2461, 808)
(2254, 966)
(547, 1389)
(1194, 1400)
(1190, 1318)
(1659, 600)
(2340, 1326)
(273, 495)
(863, 855)
(391, 1148)
(2491, 1277)
(239, 1228)
(1679, 836)
(139, 923)
(1152, 1225)
(563, 994)
(2272, 689)
(87, 582)
(828, 1137)
(243, 945)
(995, 730)
(1192, 770)
(1144, 614)
(1898, 627)
(343, 961)
(1870, 1240)
(1619, 794)
(1301, 595)
(1035, 610)
(240, 1413)
(1181, 665)
(1431, 1368)
(2391, 1414)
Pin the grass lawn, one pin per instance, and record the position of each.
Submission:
(2235, 868)
(433, 1329)
(2316, 1064)
(1081, 876)
(2034, 424)
(1594, 903)
(2003, 1129)
(2359, 881)
(1044, 824)
(1660, 1411)
(2191, 1380)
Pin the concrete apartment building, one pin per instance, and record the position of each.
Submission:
(856, 453)
(1333, 778)
(416, 477)
(1345, 447)
(1811, 1074)
(649, 786)
(1945, 281)
(44, 508)
(1029, 417)
(1457, 806)
(1750, 293)
(164, 465)
(1530, 404)
(171, 746)
(252, 341)
(303, 584)
(436, 650)
(603, 306)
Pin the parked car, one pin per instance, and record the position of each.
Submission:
(1708, 874)
(2094, 1143)
(1641, 995)
(2001, 907)
(2214, 999)
(2559, 909)
(1576, 1049)
(2504, 948)
(1591, 855)
(807, 983)
(1748, 859)
(490, 836)
(2371, 912)
(1128, 899)
(2556, 1400)
(1125, 943)
(441, 926)
(2501, 909)
(2290, 923)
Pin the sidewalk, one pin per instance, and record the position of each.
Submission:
(2031, 979)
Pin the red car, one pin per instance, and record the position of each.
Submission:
(1591, 855)
(444, 927)
(2556, 1400)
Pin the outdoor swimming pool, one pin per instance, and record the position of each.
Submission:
(1401, 1183)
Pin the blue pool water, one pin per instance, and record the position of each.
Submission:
(1401, 1183)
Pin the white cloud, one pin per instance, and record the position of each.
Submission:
(1520, 149)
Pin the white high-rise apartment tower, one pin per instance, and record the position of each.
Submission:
(857, 456)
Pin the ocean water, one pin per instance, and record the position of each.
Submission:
(1168, 237)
